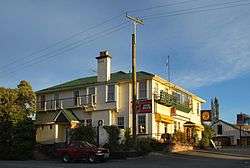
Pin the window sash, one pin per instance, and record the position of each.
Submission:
(42, 101)
(56, 98)
(76, 94)
(198, 109)
(120, 122)
(89, 122)
(142, 89)
(142, 124)
(111, 93)
(219, 129)
(91, 95)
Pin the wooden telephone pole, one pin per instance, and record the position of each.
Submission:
(135, 21)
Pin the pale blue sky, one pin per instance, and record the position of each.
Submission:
(210, 50)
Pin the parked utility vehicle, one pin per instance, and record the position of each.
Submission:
(81, 150)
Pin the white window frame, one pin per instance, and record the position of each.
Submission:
(87, 123)
(198, 111)
(75, 97)
(88, 94)
(122, 126)
(145, 90)
(107, 93)
(56, 99)
(138, 124)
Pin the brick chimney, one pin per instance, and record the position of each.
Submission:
(103, 66)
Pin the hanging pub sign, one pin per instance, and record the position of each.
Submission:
(144, 106)
(206, 115)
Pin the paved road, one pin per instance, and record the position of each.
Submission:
(190, 160)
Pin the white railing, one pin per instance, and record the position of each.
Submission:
(72, 102)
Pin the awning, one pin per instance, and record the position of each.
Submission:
(163, 118)
(197, 127)
(51, 117)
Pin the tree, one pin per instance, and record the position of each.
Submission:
(16, 128)
(129, 142)
(207, 135)
(17, 103)
(114, 137)
(84, 133)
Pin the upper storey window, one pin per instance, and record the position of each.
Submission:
(91, 95)
(42, 101)
(111, 93)
(143, 89)
(56, 99)
(198, 108)
(177, 97)
(76, 94)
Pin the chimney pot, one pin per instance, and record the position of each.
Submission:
(103, 66)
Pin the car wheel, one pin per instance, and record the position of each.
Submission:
(91, 158)
(66, 158)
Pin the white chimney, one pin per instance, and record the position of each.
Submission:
(103, 66)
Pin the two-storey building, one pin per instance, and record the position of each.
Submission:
(162, 107)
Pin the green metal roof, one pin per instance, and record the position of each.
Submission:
(69, 115)
(92, 80)
(46, 117)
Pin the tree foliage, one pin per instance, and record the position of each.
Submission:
(17, 103)
(128, 142)
(114, 137)
(207, 135)
(84, 133)
(16, 128)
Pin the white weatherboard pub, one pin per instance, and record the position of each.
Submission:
(163, 107)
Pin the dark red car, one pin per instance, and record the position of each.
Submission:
(81, 150)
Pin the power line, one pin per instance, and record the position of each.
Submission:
(161, 6)
(61, 41)
(45, 56)
(154, 16)
(168, 14)
(194, 10)
(115, 29)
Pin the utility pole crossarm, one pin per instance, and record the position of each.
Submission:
(135, 19)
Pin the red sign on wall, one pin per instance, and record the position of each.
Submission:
(144, 106)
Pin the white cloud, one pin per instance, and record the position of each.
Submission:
(225, 56)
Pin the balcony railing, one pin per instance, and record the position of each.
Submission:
(171, 101)
(65, 103)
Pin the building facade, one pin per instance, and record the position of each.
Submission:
(227, 134)
(162, 107)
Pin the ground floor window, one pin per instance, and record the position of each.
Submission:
(89, 122)
(165, 128)
(219, 129)
(142, 124)
(175, 126)
(120, 122)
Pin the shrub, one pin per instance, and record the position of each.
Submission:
(17, 140)
(157, 145)
(143, 145)
(6, 130)
(24, 140)
(84, 133)
(207, 135)
(129, 141)
(179, 137)
(114, 137)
